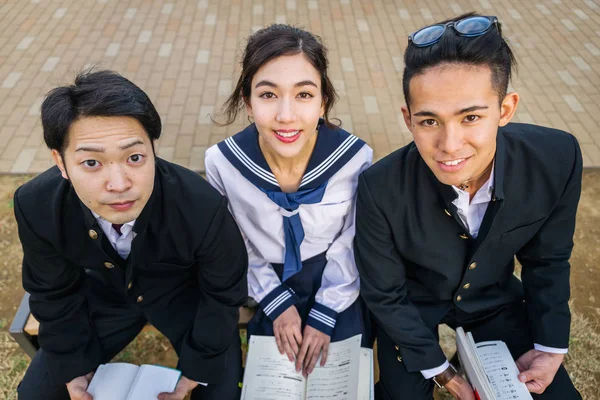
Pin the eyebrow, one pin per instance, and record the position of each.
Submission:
(306, 82)
(463, 111)
(101, 149)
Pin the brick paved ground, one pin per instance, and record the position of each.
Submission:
(184, 54)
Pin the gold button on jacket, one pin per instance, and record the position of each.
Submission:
(109, 265)
(473, 265)
(458, 298)
(140, 299)
(466, 285)
(93, 234)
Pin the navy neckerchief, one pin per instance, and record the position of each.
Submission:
(333, 149)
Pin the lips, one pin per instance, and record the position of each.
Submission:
(287, 135)
(452, 165)
(122, 206)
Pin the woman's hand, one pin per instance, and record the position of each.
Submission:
(288, 332)
(314, 343)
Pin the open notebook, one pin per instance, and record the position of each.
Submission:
(347, 375)
(490, 368)
(122, 381)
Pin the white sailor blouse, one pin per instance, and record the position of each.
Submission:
(288, 228)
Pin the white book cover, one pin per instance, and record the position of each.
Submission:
(490, 369)
(122, 381)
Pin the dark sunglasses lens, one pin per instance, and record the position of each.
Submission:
(473, 26)
(429, 35)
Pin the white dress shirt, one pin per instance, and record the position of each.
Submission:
(471, 213)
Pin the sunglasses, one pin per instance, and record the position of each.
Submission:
(467, 27)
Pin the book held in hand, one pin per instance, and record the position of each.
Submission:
(347, 374)
(122, 381)
(490, 368)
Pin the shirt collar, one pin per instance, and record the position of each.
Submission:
(103, 221)
(485, 192)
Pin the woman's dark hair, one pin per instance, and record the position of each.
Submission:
(488, 49)
(95, 94)
(269, 43)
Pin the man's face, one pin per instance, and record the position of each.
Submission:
(110, 163)
(454, 118)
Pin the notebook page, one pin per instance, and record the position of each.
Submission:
(270, 375)
(365, 375)
(153, 380)
(502, 371)
(112, 381)
(338, 378)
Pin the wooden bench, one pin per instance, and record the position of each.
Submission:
(24, 328)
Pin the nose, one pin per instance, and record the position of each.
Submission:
(286, 111)
(451, 139)
(118, 181)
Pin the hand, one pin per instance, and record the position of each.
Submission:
(537, 369)
(313, 343)
(184, 386)
(78, 386)
(460, 389)
(287, 328)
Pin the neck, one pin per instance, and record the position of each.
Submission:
(474, 184)
(287, 165)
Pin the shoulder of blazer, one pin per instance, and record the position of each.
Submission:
(43, 195)
(395, 169)
(546, 150)
(186, 189)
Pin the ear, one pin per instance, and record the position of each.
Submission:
(58, 160)
(508, 108)
(248, 108)
(322, 112)
(407, 118)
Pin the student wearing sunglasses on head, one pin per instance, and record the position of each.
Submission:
(440, 221)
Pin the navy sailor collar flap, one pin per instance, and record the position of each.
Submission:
(334, 148)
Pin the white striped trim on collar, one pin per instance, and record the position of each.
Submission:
(336, 155)
(251, 165)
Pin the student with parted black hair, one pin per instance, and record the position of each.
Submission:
(114, 237)
(439, 221)
(290, 178)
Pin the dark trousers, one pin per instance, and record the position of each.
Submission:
(509, 324)
(117, 324)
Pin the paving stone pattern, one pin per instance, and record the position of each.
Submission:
(185, 55)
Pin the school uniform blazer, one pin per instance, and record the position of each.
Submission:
(186, 270)
(416, 259)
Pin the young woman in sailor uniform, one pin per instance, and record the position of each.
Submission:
(291, 179)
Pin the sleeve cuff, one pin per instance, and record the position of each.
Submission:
(539, 347)
(430, 373)
(280, 299)
(322, 318)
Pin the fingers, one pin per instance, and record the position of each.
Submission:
(302, 354)
(324, 353)
(279, 341)
(311, 359)
(535, 387)
(287, 346)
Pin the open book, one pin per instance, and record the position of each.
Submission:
(490, 368)
(347, 375)
(122, 381)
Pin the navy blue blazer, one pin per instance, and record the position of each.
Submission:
(186, 271)
(415, 256)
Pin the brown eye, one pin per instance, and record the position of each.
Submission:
(136, 158)
(305, 95)
(471, 118)
(429, 122)
(91, 163)
(267, 95)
